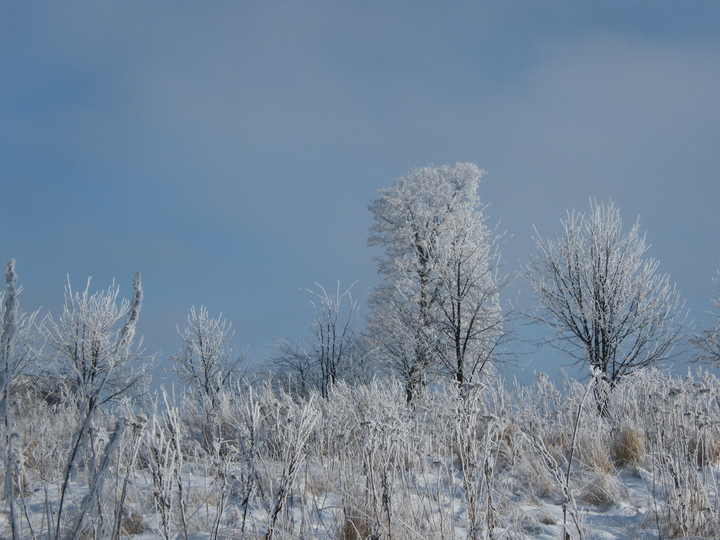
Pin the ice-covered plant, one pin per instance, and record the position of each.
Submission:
(476, 435)
(6, 343)
(296, 429)
(96, 359)
(207, 362)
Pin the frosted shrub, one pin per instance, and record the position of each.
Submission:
(683, 435)
(163, 453)
(338, 432)
(210, 421)
(45, 438)
(668, 425)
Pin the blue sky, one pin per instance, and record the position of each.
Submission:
(229, 150)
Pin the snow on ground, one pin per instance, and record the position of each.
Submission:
(362, 464)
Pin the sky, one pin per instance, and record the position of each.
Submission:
(228, 151)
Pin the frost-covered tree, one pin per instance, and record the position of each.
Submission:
(470, 318)
(93, 341)
(438, 307)
(97, 361)
(605, 300)
(707, 342)
(207, 362)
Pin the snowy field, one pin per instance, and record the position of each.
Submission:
(501, 461)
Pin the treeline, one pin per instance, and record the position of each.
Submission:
(437, 315)
(437, 320)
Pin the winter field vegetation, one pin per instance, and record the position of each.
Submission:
(403, 428)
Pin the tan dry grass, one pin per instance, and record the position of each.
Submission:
(705, 449)
(628, 445)
(594, 454)
(355, 528)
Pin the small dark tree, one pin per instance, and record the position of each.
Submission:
(707, 342)
(333, 333)
(333, 352)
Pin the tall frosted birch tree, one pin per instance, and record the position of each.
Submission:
(470, 319)
(437, 309)
(605, 301)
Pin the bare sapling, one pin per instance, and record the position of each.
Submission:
(384, 436)
(217, 438)
(137, 425)
(175, 431)
(567, 496)
(466, 445)
(476, 437)
(207, 362)
(249, 451)
(161, 457)
(332, 353)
